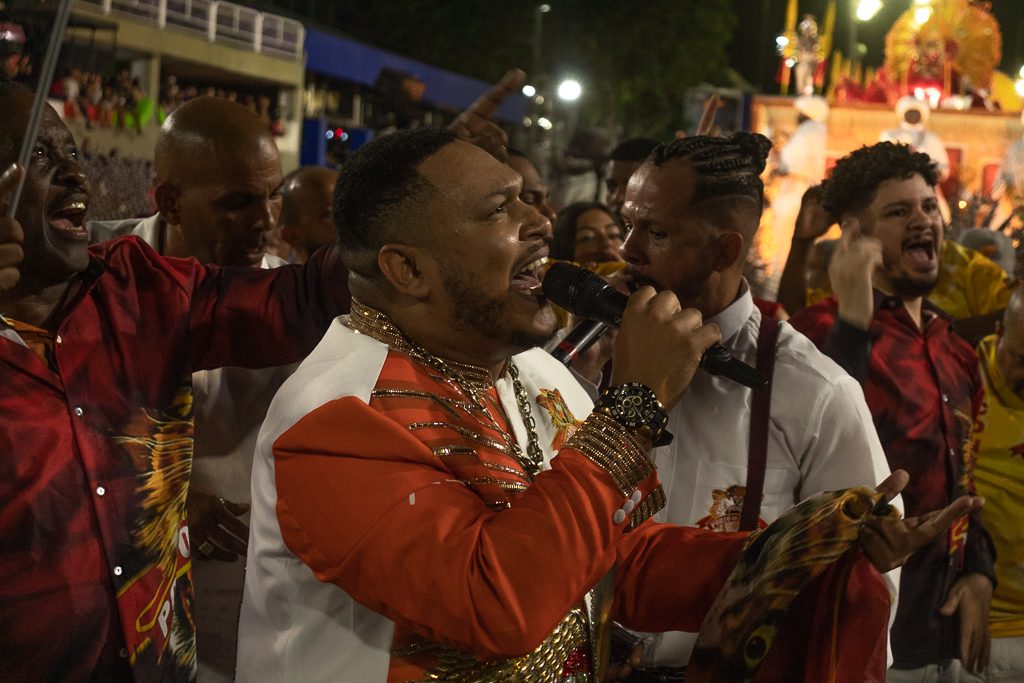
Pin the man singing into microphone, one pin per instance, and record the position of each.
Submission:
(692, 209)
(427, 504)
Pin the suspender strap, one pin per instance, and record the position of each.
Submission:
(760, 410)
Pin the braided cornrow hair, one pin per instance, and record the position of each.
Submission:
(725, 166)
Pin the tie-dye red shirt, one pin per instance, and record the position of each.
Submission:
(96, 453)
(923, 389)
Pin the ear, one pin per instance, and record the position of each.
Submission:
(407, 269)
(730, 250)
(168, 200)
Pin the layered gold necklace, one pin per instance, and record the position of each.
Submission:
(472, 382)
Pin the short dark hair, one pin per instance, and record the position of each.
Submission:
(375, 184)
(633, 149)
(856, 177)
(563, 242)
(725, 166)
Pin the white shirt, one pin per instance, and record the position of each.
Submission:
(803, 156)
(293, 627)
(820, 438)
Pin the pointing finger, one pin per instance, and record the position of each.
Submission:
(488, 103)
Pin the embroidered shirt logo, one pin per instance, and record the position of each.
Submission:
(726, 509)
(561, 417)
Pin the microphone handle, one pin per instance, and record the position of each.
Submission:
(718, 361)
(581, 338)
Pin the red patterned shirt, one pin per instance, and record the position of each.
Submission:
(923, 389)
(96, 453)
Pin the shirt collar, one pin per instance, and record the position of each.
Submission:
(736, 314)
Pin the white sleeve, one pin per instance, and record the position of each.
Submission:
(844, 450)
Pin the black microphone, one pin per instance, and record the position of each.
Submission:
(581, 338)
(584, 294)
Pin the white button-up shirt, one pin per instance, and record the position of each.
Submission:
(820, 438)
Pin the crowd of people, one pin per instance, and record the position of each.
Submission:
(119, 100)
(305, 426)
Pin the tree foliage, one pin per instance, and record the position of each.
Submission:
(636, 59)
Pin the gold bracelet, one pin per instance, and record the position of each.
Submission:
(609, 445)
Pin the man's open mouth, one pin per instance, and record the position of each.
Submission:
(920, 252)
(68, 219)
(527, 280)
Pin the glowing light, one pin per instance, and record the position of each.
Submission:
(867, 9)
(545, 123)
(329, 135)
(570, 90)
(544, 9)
(922, 15)
(961, 204)
(1021, 72)
(529, 90)
(527, 122)
(781, 42)
(1019, 86)
(539, 99)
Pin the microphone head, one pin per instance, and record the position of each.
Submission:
(582, 293)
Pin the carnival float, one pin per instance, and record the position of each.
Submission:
(942, 52)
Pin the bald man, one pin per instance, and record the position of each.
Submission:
(999, 477)
(218, 187)
(305, 224)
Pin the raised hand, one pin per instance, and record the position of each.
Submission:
(889, 541)
(11, 234)
(660, 344)
(707, 124)
(813, 221)
(476, 125)
(853, 264)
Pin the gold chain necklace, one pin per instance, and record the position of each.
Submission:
(472, 381)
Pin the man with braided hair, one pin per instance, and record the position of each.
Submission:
(692, 209)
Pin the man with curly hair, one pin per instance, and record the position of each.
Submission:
(922, 385)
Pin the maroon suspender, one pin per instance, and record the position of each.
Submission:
(760, 410)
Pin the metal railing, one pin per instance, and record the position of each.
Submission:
(218, 21)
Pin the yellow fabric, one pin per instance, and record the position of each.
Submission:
(969, 283)
(999, 477)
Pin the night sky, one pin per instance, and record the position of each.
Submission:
(760, 21)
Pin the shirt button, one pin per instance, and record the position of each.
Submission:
(122, 653)
(100, 490)
(945, 398)
(118, 570)
(628, 506)
(78, 411)
(952, 452)
(636, 497)
(619, 517)
(59, 340)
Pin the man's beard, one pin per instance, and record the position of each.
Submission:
(911, 288)
(907, 286)
(487, 316)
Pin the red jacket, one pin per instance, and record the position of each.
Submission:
(96, 453)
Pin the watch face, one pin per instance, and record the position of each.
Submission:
(633, 406)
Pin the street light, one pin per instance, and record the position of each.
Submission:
(569, 90)
(867, 9)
